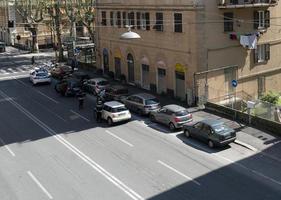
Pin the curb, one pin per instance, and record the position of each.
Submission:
(246, 145)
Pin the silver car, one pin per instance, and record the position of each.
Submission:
(172, 115)
(142, 103)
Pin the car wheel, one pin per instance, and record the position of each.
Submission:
(152, 118)
(172, 127)
(211, 144)
(109, 121)
(187, 133)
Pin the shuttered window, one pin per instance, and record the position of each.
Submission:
(262, 53)
(103, 18)
(228, 22)
(178, 22)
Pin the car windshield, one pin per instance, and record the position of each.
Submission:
(181, 113)
(219, 128)
(119, 109)
(151, 101)
(103, 83)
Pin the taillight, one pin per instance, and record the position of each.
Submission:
(177, 119)
(190, 116)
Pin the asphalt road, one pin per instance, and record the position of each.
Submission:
(51, 150)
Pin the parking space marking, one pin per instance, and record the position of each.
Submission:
(8, 149)
(80, 115)
(39, 185)
(178, 172)
(117, 137)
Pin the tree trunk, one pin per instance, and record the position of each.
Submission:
(35, 46)
(58, 31)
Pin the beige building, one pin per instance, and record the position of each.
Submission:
(193, 48)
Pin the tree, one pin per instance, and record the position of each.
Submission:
(271, 97)
(81, 12)
(55, 12)
(31, 12)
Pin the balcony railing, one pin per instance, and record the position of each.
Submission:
(246, 3)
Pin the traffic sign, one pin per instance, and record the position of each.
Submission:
(234, 83)
(77, 51)
(18, 37)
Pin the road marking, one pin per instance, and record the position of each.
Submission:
(51, 99)
(131, 193)
(39, 185)
(80, 115)
(8, 149)
(178, 172)
(117, 137)
(13, 77)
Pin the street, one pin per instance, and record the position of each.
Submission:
(51, 150)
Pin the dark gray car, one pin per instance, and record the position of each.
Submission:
(172, 115)
(142, 103)
(213, 132)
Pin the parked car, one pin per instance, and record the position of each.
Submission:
(68, 87)
(116, 92)
(60, 72)
(81, 76)
(39, 75)
(142, 103)
(2, 47)
(214, 132)
(114, 111)
(173, 116)
(95, 85)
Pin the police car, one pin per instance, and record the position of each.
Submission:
(39, 75)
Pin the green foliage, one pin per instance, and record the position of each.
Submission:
(271, 97)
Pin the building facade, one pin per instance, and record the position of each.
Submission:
(193, 49)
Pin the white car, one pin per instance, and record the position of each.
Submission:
(39, 76)
(114, 111)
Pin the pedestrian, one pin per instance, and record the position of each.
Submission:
(81, 97)
(32, 60)
(99, 106)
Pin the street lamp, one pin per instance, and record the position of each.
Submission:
(129, 35)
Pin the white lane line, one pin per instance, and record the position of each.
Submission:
(39, 185)
(117, 137)
(80, 115)
(8, 149)
(122, 186)
(51, 99)
(13, 77)
(178, 172)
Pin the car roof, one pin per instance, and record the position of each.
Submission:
(98, 79)
(113, 104)
(145, 96)
(174, 107)
(212, 122)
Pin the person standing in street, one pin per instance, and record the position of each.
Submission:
(98, 109)
(81, 98)
(32, 60)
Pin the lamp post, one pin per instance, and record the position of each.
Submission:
(130, 35)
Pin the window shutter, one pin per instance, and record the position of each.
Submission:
(111, 18)
(124, 19)
(267, 18)
(256, 19)
(267, 51)
(256, 57)
(147, 19)
(138, 20)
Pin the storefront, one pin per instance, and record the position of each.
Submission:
(161, 77)
(117, 64)
(180, 81)
(131, 68)
(145, 82)
(105, 61)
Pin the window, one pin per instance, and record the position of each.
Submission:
(199, 126)
(119, 19)
(161, 72)
(159, 22)
(131, 17)
(138, 20)
(111, 18)
(178, 22)
(103, 18)
(124, 16)
(147, 21)
(228, 22)
(261, 85)
(261, 19)
(262, 53)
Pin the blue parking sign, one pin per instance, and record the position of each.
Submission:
(234, 83)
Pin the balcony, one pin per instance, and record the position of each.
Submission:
(224, 4)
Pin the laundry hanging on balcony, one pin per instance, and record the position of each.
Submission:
(249, 41)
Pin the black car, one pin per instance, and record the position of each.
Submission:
(116, 93)
(81, 76)
(213, 132)
(68, 87)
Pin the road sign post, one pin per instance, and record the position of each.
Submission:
(234, 84)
